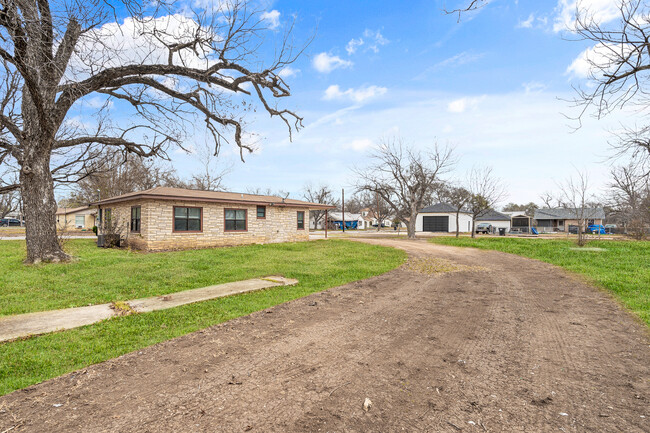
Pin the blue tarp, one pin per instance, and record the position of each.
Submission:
(348, 224)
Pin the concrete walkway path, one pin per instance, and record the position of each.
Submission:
(25, 325)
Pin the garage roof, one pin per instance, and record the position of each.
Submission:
(493, 215)
(441, 208)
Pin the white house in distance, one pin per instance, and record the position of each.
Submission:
(498, 220)
(441, 217)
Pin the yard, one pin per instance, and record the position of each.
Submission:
(621, 267)
(100, 276)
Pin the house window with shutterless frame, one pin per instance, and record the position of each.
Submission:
(188, 219)
(261, 212)
(136, 212)
(235, 220)
(301, 220)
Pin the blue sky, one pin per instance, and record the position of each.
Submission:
(493, 86)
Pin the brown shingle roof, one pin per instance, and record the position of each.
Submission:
(167, 193)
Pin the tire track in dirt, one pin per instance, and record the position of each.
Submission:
(397, 338)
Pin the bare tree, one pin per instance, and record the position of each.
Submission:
(260, 191)
(376, 206)
(629, 190)
(404, 177)
(547, 198)
(459, 198)
(165, 69)
(466, 6)
(8, 203)
(528, 209)
(321, 194)
(619, 63)
(379, 210)
(486, 191)
(211, 176)
(575, 195)
(122, 175)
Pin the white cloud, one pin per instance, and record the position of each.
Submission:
(534, 87)
(600, 11)
(352, 46)
(138, 42)
(360, 145)
(463, 104)
(375, 39)
(596, 58)
(325, 63)
(458, 60)
(359, 95)
(527, 24)
(288, 72)
(371, 39)
(272, 17)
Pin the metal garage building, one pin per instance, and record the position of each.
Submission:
(441, 217)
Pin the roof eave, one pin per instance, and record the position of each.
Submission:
(207, 200)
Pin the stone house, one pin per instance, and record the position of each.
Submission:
(173, 218)
(567, 219)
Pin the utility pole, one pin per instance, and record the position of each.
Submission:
(343, 207)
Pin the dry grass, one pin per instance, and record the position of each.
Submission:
(434, 265)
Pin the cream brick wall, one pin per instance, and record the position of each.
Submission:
(156, 233)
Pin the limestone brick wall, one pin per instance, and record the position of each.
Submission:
(157, 222)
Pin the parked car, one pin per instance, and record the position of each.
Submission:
(484, 228)
(597, 229)
(9, 222)
(610, 228)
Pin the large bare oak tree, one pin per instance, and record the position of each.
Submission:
(164, 67)
(405, 177)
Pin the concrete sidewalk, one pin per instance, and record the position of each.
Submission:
(25, 325)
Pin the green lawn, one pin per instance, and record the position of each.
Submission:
(102, 275)
(623, 267)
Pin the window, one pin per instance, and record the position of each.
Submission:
(108, 213)
(301, 220)
(79, 221)
(187, 219)
(261, 212)
(235, 220)
(135, 219)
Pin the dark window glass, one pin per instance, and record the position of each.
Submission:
(135, 218)
(301, 220)
(261, 211)
(187, 219)
(235, 219)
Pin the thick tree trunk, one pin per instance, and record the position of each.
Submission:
(410, 227)
(473, 227)
(457, 222)
(39, 204)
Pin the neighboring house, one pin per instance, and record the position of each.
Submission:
(370, 220)
(174, 218)
(81, 218)
(351, 220)
(496, 219)
(561, 219)
(519, 221)
(441, 217)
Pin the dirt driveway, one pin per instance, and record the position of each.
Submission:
(519, 347)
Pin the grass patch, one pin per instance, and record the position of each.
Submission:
(622, 267)
(116, 275)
